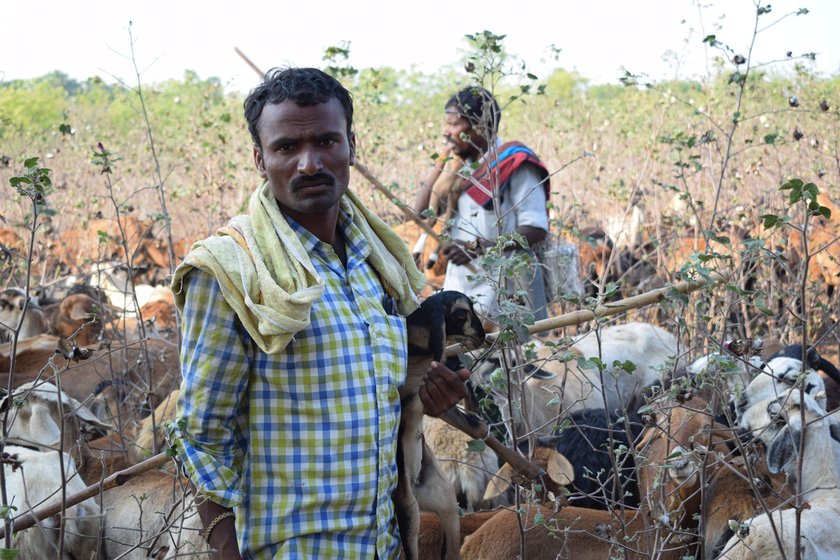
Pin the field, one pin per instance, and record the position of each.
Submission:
(733, 175)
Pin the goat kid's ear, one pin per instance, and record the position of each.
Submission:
(782, 449)
(499, 483)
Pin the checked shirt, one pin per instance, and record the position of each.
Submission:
(301, 443)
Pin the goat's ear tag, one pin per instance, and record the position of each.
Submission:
(559, 469)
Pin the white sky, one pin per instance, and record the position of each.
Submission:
(597, 37)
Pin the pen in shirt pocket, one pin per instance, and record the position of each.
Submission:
(389, 304)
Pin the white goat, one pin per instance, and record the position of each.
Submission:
(565, 380)
(779, 375)
(151, 516)
(38, 482)
(820, 522)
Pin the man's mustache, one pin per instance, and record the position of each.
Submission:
(319, 178)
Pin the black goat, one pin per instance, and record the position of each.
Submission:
(580, 458)
(443, 318)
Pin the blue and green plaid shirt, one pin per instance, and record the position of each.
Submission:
(301, 443)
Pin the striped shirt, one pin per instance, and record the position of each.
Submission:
(301, 443)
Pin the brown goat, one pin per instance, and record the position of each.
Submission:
(77, 314)
(134, 378)
(673, 461)
(431, 540)
(739, 493)
(572, 533)
(410, 232)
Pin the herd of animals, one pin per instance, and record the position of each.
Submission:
(642, 453)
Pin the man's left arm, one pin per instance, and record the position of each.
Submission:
(528, 200)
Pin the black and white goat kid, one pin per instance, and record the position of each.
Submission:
(442, 319)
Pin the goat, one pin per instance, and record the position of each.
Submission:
(12, 316)
(41, 478)
(568, 379)
(148, 516)
(596, 446)
(76, 315)
(572, 532)
(739, 491)
(445, 317)
(830, 373)
(819, 529)
(415, 237)
(140, 376)
(672, 454)
(778, 375)
(431, 539)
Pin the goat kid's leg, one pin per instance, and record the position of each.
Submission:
(409, 464)
(436, 494)
(407, 511)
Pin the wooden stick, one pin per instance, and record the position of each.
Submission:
(247, 60)
(475, 427)
(30, 518)
(409, 212)
(612, 308)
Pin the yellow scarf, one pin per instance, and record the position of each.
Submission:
(268, 279)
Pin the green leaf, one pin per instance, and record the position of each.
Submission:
(770, 221)
(476, 446)
(770, 138)
(762, 306)
(8, 553)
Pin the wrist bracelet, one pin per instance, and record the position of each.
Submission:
(205, 534)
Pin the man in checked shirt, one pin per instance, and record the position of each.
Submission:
(294, 345)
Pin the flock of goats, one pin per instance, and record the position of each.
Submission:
(610, 444)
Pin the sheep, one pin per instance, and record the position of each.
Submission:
(571, 533)
(149, 516)
(38, 480)
(468, 471)
(13, 318)
(677, 453)
(445, 317)
(819, 529)
(595, 445)
(568, 379)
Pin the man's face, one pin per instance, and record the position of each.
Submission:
(455, 125)
(306, 156)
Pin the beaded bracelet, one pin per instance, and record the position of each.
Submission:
(205, 534)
